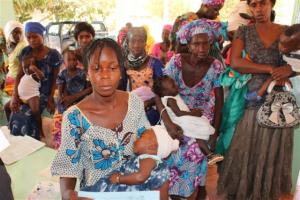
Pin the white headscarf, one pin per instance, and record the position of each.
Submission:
(8, 29)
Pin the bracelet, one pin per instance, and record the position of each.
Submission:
(160, 116)
(161, 112)
(118, 178)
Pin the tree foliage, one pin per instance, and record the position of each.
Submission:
(92, 10)
(59, 10)
(24, 8)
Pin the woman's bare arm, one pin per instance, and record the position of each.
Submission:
(136, 178)
(173, 129)
(243, 65)
(219, 102)
(67, 187)
(15, 101)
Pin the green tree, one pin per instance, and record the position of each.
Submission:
(24, 8)
(59, 10)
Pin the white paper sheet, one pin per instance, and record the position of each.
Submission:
(3, 141)
(20, 147)
(145, 195)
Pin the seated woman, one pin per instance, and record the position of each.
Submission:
(147, 170)
(141, 68)
(14, 35)
(28, 89)
(98, 133)
(48, 62)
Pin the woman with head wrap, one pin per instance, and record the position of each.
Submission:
(14, 35)
(197, 76)
(162, 50)
(48, 62)
(141, 68)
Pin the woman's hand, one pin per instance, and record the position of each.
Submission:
(281, 72)
(32, 67)
(3, 69)
(197, 112)
(175, 131)
(67, 100)
(212, 141)
(282, 82)
(15, 103)
(51, 105)
(115, 178)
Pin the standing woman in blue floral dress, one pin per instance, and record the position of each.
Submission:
(98, 133)
(197, 76)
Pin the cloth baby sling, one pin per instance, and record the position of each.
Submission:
(234, 106)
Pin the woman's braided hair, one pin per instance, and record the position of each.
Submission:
(100, 44)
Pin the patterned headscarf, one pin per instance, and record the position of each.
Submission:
(179, 22)
(213, 2)
(212, 28)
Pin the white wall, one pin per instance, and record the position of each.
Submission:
(6, 12)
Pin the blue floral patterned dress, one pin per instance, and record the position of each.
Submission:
(158, 176)
(89, 152)
(188, 166)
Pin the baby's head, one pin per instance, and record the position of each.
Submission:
(290, 39)
(155, 141)
(165, 86)
(26, 61)
(70, 59)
